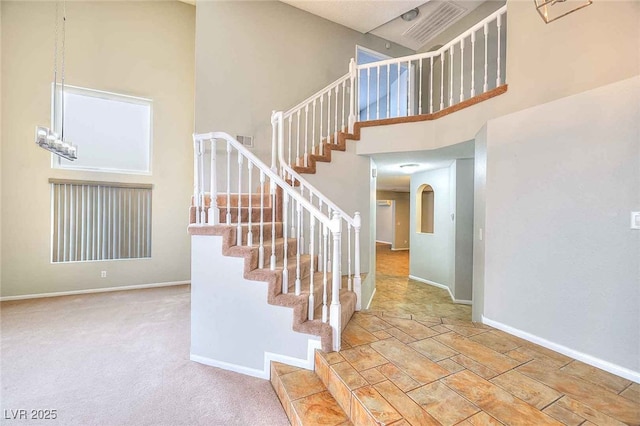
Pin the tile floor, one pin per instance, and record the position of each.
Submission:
(416, 359)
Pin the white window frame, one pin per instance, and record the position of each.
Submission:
(56, 162)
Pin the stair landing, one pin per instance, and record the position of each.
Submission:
(401, 369)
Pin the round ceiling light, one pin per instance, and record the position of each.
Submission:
(409, 166)
(410, 15)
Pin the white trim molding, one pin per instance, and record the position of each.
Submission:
(93, 290)
(444, 287)
(399, 249)
(580, 356)
(265, 373)
(371, 299)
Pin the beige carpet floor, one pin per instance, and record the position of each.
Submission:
(120, 358)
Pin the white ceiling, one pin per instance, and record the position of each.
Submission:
(359, 15)
(391, 177)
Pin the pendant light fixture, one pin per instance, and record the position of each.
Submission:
(47, 138)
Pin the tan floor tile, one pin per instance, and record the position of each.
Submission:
(583, 391)
(632, 393)
(321, 367)
(331, 357)
(301, 383)
(363, 357)
(495, 341)
(370, 405)
(440, 329)
(389, 315)
(282, 369)
(562, 414)
(539, 353)
(527, 389)
(450, 365)
(471, 365)
(349, 375)
(412, 328)
(400, 335)
(373, 376)
(355, 335)
(442, 403)
(419, 367)
(496, 401)
(381, 335)
(481, 419)
(464, 323)
(398, 377)
(587, 412)
(479, 353)
(465, 331)
(319, 409)
(402, 422)
(519, 356)
(595, 375)
(282, 394)
(433, 349)
(411, 411)
(426, 319)
(371, 323)
(339, 389)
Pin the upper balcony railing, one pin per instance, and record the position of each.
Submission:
(426, 83)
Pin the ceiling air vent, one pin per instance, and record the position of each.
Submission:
(435, 22)
(245, 140)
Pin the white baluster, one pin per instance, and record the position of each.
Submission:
(357, 279)
(368, 91)
(306, 135)
(239, 226)
(290, 150)
(378, 92)
(486, 63)
(329, 116)
(261, 246)
(344, 92)
(202, 190)
(299, 248)
(409, 104)
(293, 227)
(499, 23)
(329, 251)
(349, 281)
(398, 80)
(441, 81)
(320, 253)
(196, 183)
(335, 317)
(335, 124)
(298, 139)
(462, 70)
(285, 237)
(352, 94)
(228, 183)
(214, 211)
(249, 230)
(325, 308)
(301, 223)
(388, 90)
(313, 129)
(312, 303)
(451, 74)
(431, 85)
(272, 188)
(321, 108)
(473, 64)
(420, 90)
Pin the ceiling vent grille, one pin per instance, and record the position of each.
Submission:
(435, 22)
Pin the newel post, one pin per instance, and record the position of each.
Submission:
(353, 71)
(335, 311)
(357, 279)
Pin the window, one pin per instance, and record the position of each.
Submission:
(112, 132)
(425, 203)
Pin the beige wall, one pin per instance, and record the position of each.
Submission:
(137, 48)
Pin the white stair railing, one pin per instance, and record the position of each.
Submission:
(206, 147)
(305, 229)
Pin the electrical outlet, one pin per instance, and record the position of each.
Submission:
(103, 274)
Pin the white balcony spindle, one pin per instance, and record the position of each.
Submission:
(306, 136)
(398, 81)
(499, 24)
(353, 72)
(261, 246)
(486, 56)
(388, 90)
(312, 304)
(335, 123)
(441, 80)
(272, 188)
(329, 116)
(378, 93)
(290, 150)
(431, 85)
(321, 108)
(196, 186)
(420, 89)
(451, 49)
(409, 104)
(473, 64)
(299, 249)
(368, 91)
(462, 70)
(239, 226)
(214, 211)
(313, 129)
(298, 139)
(344, 113)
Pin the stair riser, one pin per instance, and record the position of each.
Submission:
(244, 216)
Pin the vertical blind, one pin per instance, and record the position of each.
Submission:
(100, 220)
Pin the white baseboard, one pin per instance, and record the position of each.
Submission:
(93, 290)
(399, 249)
(580, 356)
(383, 242)
(444, 287)
(265, 373)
